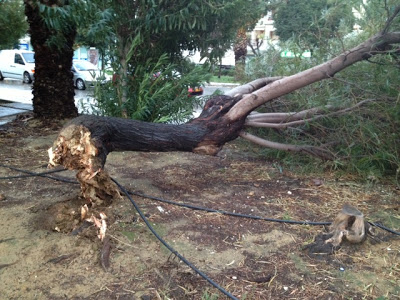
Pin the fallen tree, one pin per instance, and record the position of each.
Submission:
(84, 143)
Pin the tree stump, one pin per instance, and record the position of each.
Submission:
(349, 224)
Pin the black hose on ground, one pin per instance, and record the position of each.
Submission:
(44, 174)
(230, 213)
(33, 174)
(173, 251)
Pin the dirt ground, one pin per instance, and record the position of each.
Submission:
(46, 252)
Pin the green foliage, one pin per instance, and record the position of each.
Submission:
(12, 23)
(145, 37)
(63, 19)
(374, 15)
(312, 22)
(96, 30)
(156, 92)
(141, 38)
(365, 140)
(173, 26)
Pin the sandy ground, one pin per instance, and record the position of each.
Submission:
(47, 253)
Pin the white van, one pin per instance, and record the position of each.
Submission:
(18, 64)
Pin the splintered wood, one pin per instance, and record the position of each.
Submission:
(75, 149)
(84, 143)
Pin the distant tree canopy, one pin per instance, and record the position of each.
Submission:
(168, 27)
(12, 23)
(147, 37)
(312, 21)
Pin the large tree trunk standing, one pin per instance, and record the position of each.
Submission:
(123, 37)
(240, 50)
(85, 142)
(53, 90)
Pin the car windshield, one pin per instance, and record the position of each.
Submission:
(84, 66)
(29, 57)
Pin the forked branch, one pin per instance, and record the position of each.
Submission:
(311, 150)
(378, 44)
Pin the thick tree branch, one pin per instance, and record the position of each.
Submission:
(251, 86)
(285, 85)
(285, 117)
(273, 122)
(84, 143)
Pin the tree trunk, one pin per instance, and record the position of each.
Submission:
(84, 143)
(53, 90)
(240, 50)
(123, 51)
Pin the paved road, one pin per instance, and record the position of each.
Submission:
(16, 91)
(20, 95)
(16, 97)
(210, 89)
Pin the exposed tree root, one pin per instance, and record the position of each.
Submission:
(75, 149)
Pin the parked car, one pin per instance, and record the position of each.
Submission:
(87, 74)
(192, 91)
(17, 64)
(195, 91)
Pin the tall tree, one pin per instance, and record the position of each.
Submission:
(52, 36)
(249, 17)
(147, 30)
(12, 23)
(240, 50)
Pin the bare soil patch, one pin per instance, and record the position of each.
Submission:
(46, 253)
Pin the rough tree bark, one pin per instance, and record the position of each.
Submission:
(240, 50)
(53, 77)
(85, 142)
